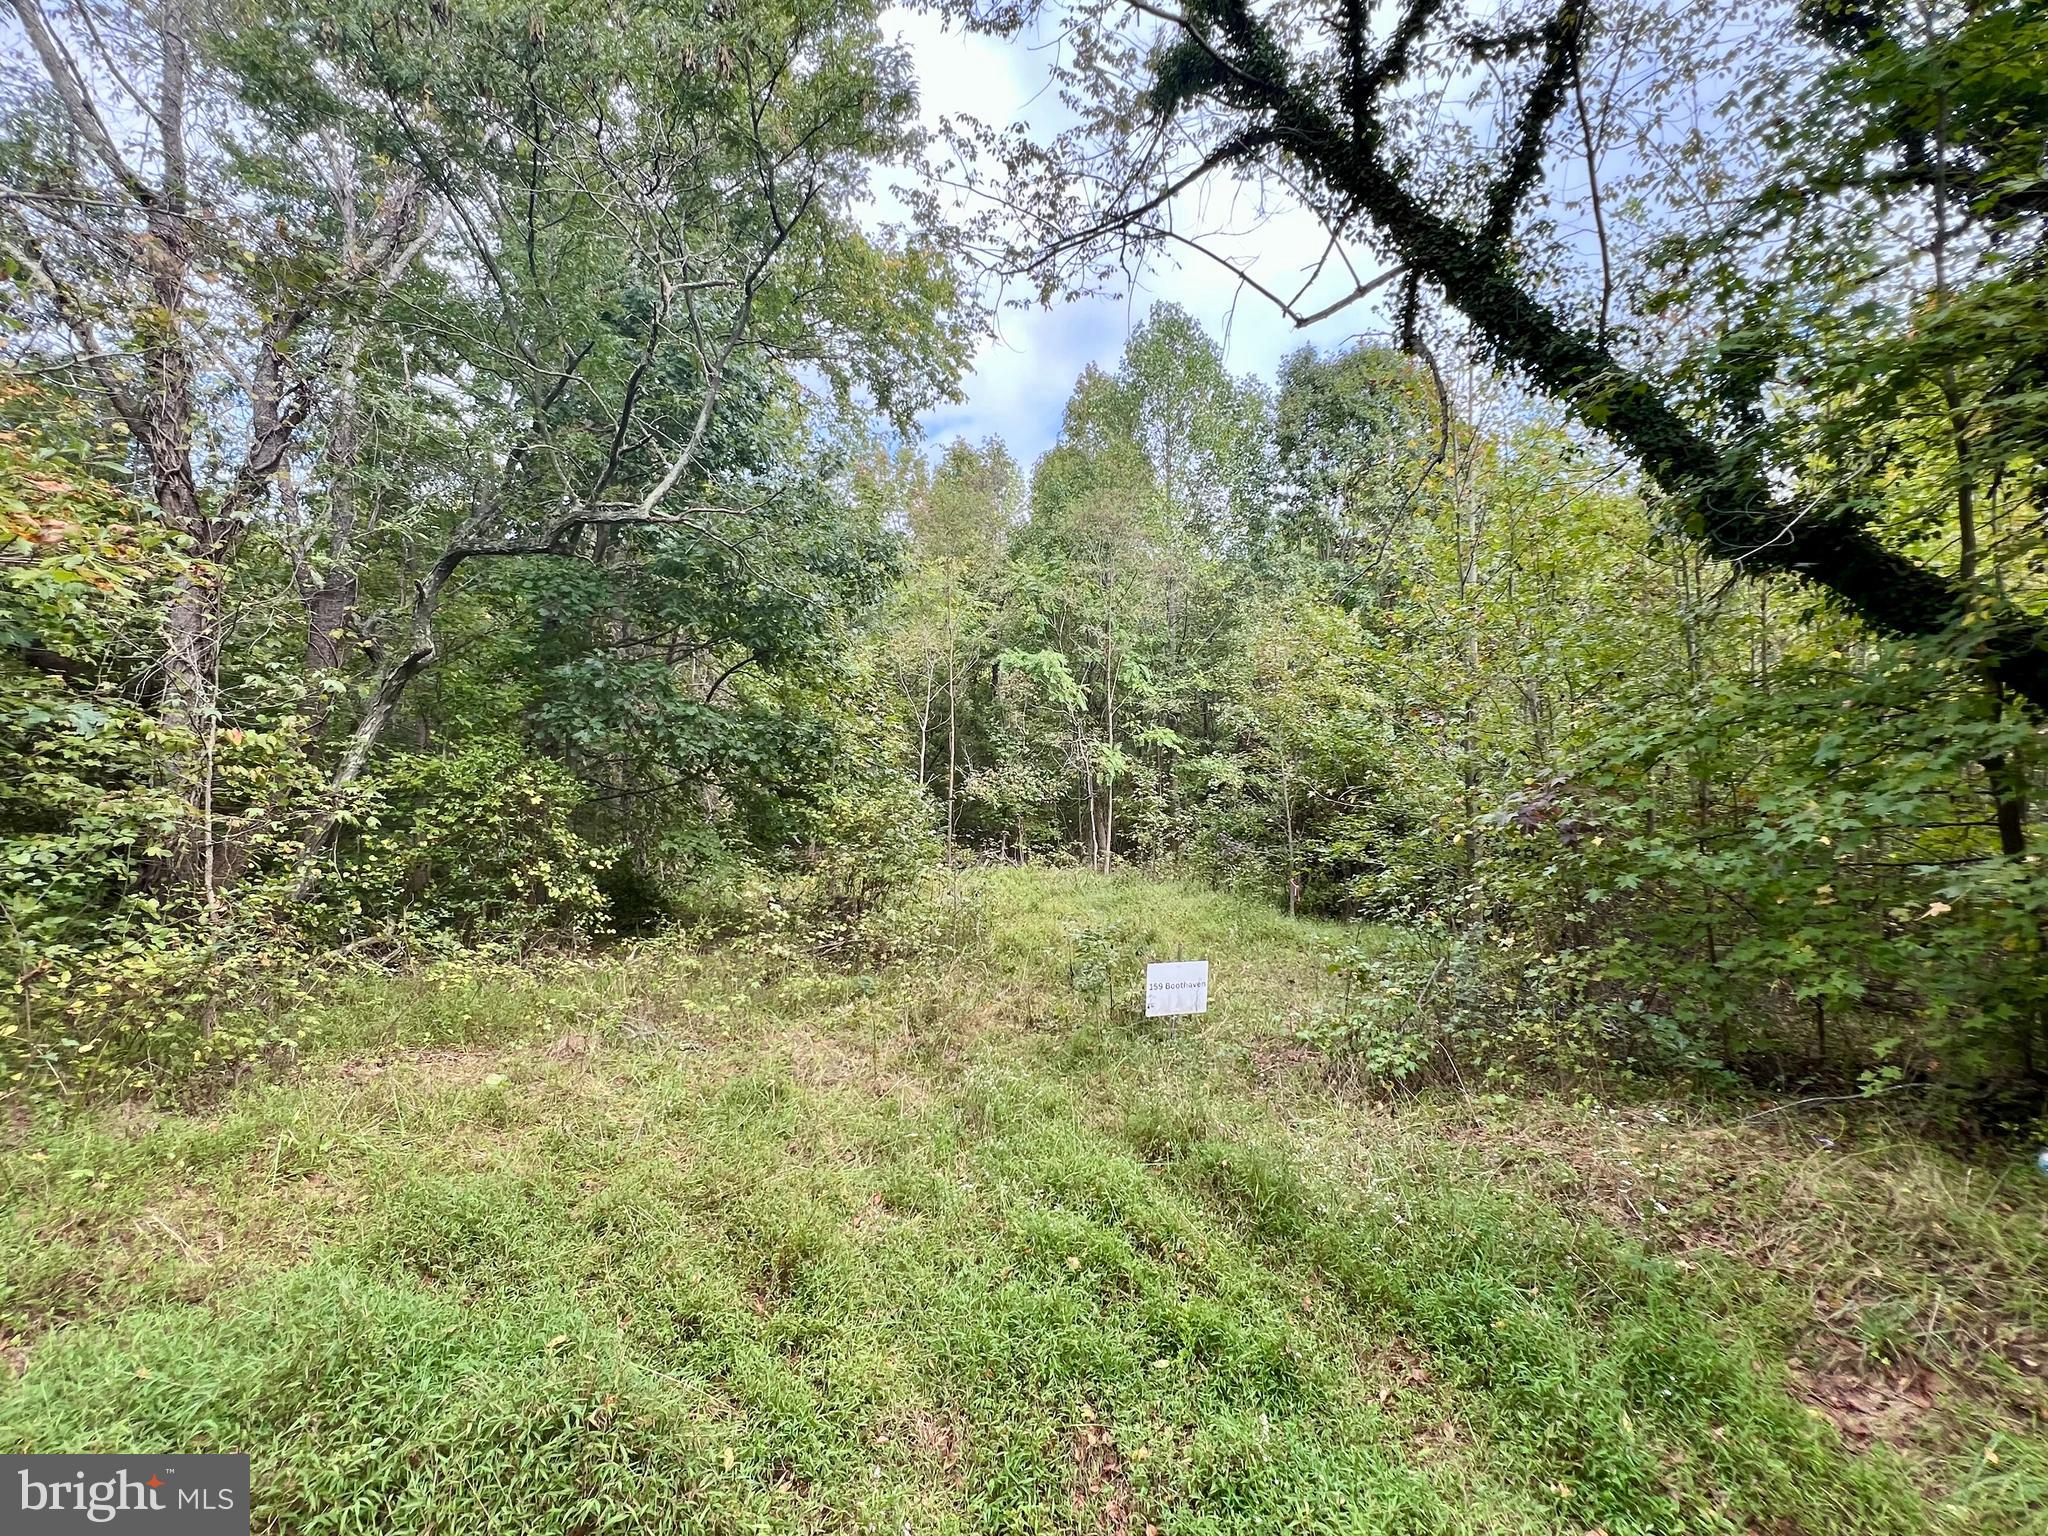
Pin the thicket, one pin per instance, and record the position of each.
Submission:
(1340, 644)
(455, 497)
(431, 493)
(1696, 725)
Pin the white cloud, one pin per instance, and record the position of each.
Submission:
(1023, 374)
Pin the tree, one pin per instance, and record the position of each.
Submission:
(1356, 438)
(190, 266)
(1307, 729)
(463, 287)
(959, 529)
(1326, 104)
(1202, 430)
(1099, 533)
(627, 242)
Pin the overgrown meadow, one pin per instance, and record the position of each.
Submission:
(716, 1239)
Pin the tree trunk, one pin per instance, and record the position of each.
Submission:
(363, 739)
(924, 726)
(1293, 861)
(952, 712)
(1736, 512)
(189, 703)
(329, 591)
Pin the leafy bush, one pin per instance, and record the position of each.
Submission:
(111, 985)
(1834, 915)
(1471, 1008)
(1109, 962)
(859, 887)
(162, 1005)
(79, 803)
(472, 846)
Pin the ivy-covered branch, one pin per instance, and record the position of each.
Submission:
(1232, 59)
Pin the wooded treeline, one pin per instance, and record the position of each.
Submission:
(457, 493)
(431, 443)
(1332, 643)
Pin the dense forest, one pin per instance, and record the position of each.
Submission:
(462, 492)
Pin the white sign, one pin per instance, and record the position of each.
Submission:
(1176, 986)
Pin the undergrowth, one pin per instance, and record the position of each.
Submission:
(722, 1239)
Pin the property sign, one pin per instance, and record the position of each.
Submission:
(1176, 986)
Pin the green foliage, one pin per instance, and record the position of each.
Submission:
(1071, 647)
(78, 808)
(1462, 1009)
(110, 989)
(676, 1236)
(573, 589)
(860, 889)
(475, 846)
(1108, 966)
(1837, 885)
(489, 569)
(1642, 816)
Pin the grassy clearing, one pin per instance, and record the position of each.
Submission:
(717, 1241)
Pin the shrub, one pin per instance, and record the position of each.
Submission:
(1474, 1007)
(469, 846)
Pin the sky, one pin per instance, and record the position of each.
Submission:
(1024, 373)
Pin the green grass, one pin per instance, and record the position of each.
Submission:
(672, 1241)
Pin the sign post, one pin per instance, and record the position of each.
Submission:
(1174, 987)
